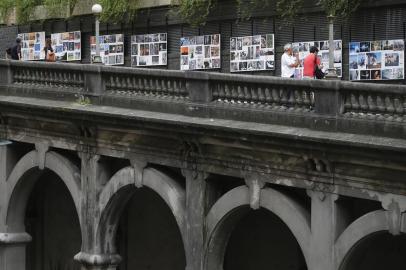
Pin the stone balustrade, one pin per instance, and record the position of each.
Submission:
(208, 94)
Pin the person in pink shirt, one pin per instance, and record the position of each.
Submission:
(310, 62)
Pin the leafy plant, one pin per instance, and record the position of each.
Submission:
(6, 7)
(339, 8)
(24, 9)
(195, 12)
(58, 7)
(118, 10)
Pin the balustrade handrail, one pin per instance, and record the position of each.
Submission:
(332, 97)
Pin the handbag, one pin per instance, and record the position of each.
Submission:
(319, 74)
(51, 57)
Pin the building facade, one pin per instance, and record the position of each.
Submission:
(374, 20)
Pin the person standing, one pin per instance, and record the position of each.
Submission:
(16, 50)
(310, 63)
(288, 62)
(49, 52)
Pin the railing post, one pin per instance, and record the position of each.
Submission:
(6, 75)
(93, 80)
(328, 100)
(198, 86)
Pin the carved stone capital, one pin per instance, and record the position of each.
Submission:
(98, 259)
(138, 168)
(255, 185)
(14, 238)
(195, 174)
(42, 149)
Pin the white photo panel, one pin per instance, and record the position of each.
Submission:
(302, 49)
(32, 46)
(200, 52)
(377, 60)
(67, 46)
(252, 53)
(149, 50)
(111, 48)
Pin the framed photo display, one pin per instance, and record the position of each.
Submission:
(111, 48)
(200, 52)
(149, 50)
(252, 53)
(377, 60)
(67, 46)
(302, 49)
(32, 46)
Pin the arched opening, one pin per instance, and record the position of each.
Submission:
(148, 236)
(52, 221)
(378, 251)
(260, 240)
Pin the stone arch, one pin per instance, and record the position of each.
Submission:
(368, 224)
(23, 178)
(119, 190)
(226, 212)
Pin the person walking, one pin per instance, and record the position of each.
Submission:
(16, 50)
(310, 63)
(49, 51)
(288, 62)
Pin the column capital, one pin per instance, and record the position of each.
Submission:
(88, 259)
(14, 238)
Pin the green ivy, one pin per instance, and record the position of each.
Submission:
(118, 10)
(24, 10)
(195, 12)
(6, 6)
(59, 7)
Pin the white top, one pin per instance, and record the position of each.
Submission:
(287, 60)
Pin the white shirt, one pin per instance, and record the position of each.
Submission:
(287, 60)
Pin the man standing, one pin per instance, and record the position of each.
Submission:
(289, 62)
(16, 50)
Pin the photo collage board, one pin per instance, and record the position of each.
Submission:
(149, 50)
(252, 53)
(111, 49)
(200, 52)
(32, 46)
(302, 49)
(377, 60)
(67, 46)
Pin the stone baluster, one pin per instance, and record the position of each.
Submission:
(261, 96)
(254, 94)
(227, 93)
(247, 94)
(240, 93)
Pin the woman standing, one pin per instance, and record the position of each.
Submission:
(310, 63)
(49, 52)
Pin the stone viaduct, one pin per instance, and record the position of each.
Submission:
(119, 168)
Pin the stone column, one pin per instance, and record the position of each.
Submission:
(196, 201)
(12, 245)
(323, 228)
(93, 177)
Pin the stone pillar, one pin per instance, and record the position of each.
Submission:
(12, 250)
(12, 245)
(196, 210)
(93, 177)
(323, 228)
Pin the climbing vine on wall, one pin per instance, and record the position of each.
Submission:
(195, 12)
(60, 7)
(24, 9)
(118, 10)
